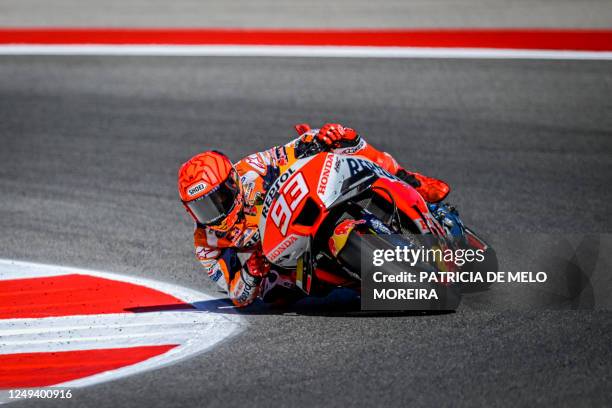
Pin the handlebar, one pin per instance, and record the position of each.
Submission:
(316, 146)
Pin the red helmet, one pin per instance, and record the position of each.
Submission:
(210, 190)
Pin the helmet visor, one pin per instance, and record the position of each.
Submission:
(216, 205)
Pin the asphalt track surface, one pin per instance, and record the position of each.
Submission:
(90, 148)
(307, 14)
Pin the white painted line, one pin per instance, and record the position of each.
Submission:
(301, 51)
(89, 332)
(194, 330)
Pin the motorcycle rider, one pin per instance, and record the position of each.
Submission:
(225, 201)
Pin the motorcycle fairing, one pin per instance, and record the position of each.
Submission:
(321, 182)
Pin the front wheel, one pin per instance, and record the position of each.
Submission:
(360, 247)
(487, 264)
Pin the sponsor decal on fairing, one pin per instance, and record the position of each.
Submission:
(325, 174)
(282, 248)
(358, 165)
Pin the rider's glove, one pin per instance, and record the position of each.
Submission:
(302, 128)
(257, 265)
(333, 133)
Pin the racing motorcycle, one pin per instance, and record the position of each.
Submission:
(325, 209)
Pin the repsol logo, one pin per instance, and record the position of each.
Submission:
(325, 174)
(245, 293)
(273, 191)
(357, 166)
(196, 189)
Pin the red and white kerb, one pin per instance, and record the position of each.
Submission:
(73, 327)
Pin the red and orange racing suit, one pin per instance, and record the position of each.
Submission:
(223, 254)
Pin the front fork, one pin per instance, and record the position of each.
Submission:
(448, 216)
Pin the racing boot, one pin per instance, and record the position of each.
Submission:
(432, 189)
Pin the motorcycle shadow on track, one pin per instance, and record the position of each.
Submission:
(578, 278)
(339, 303)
